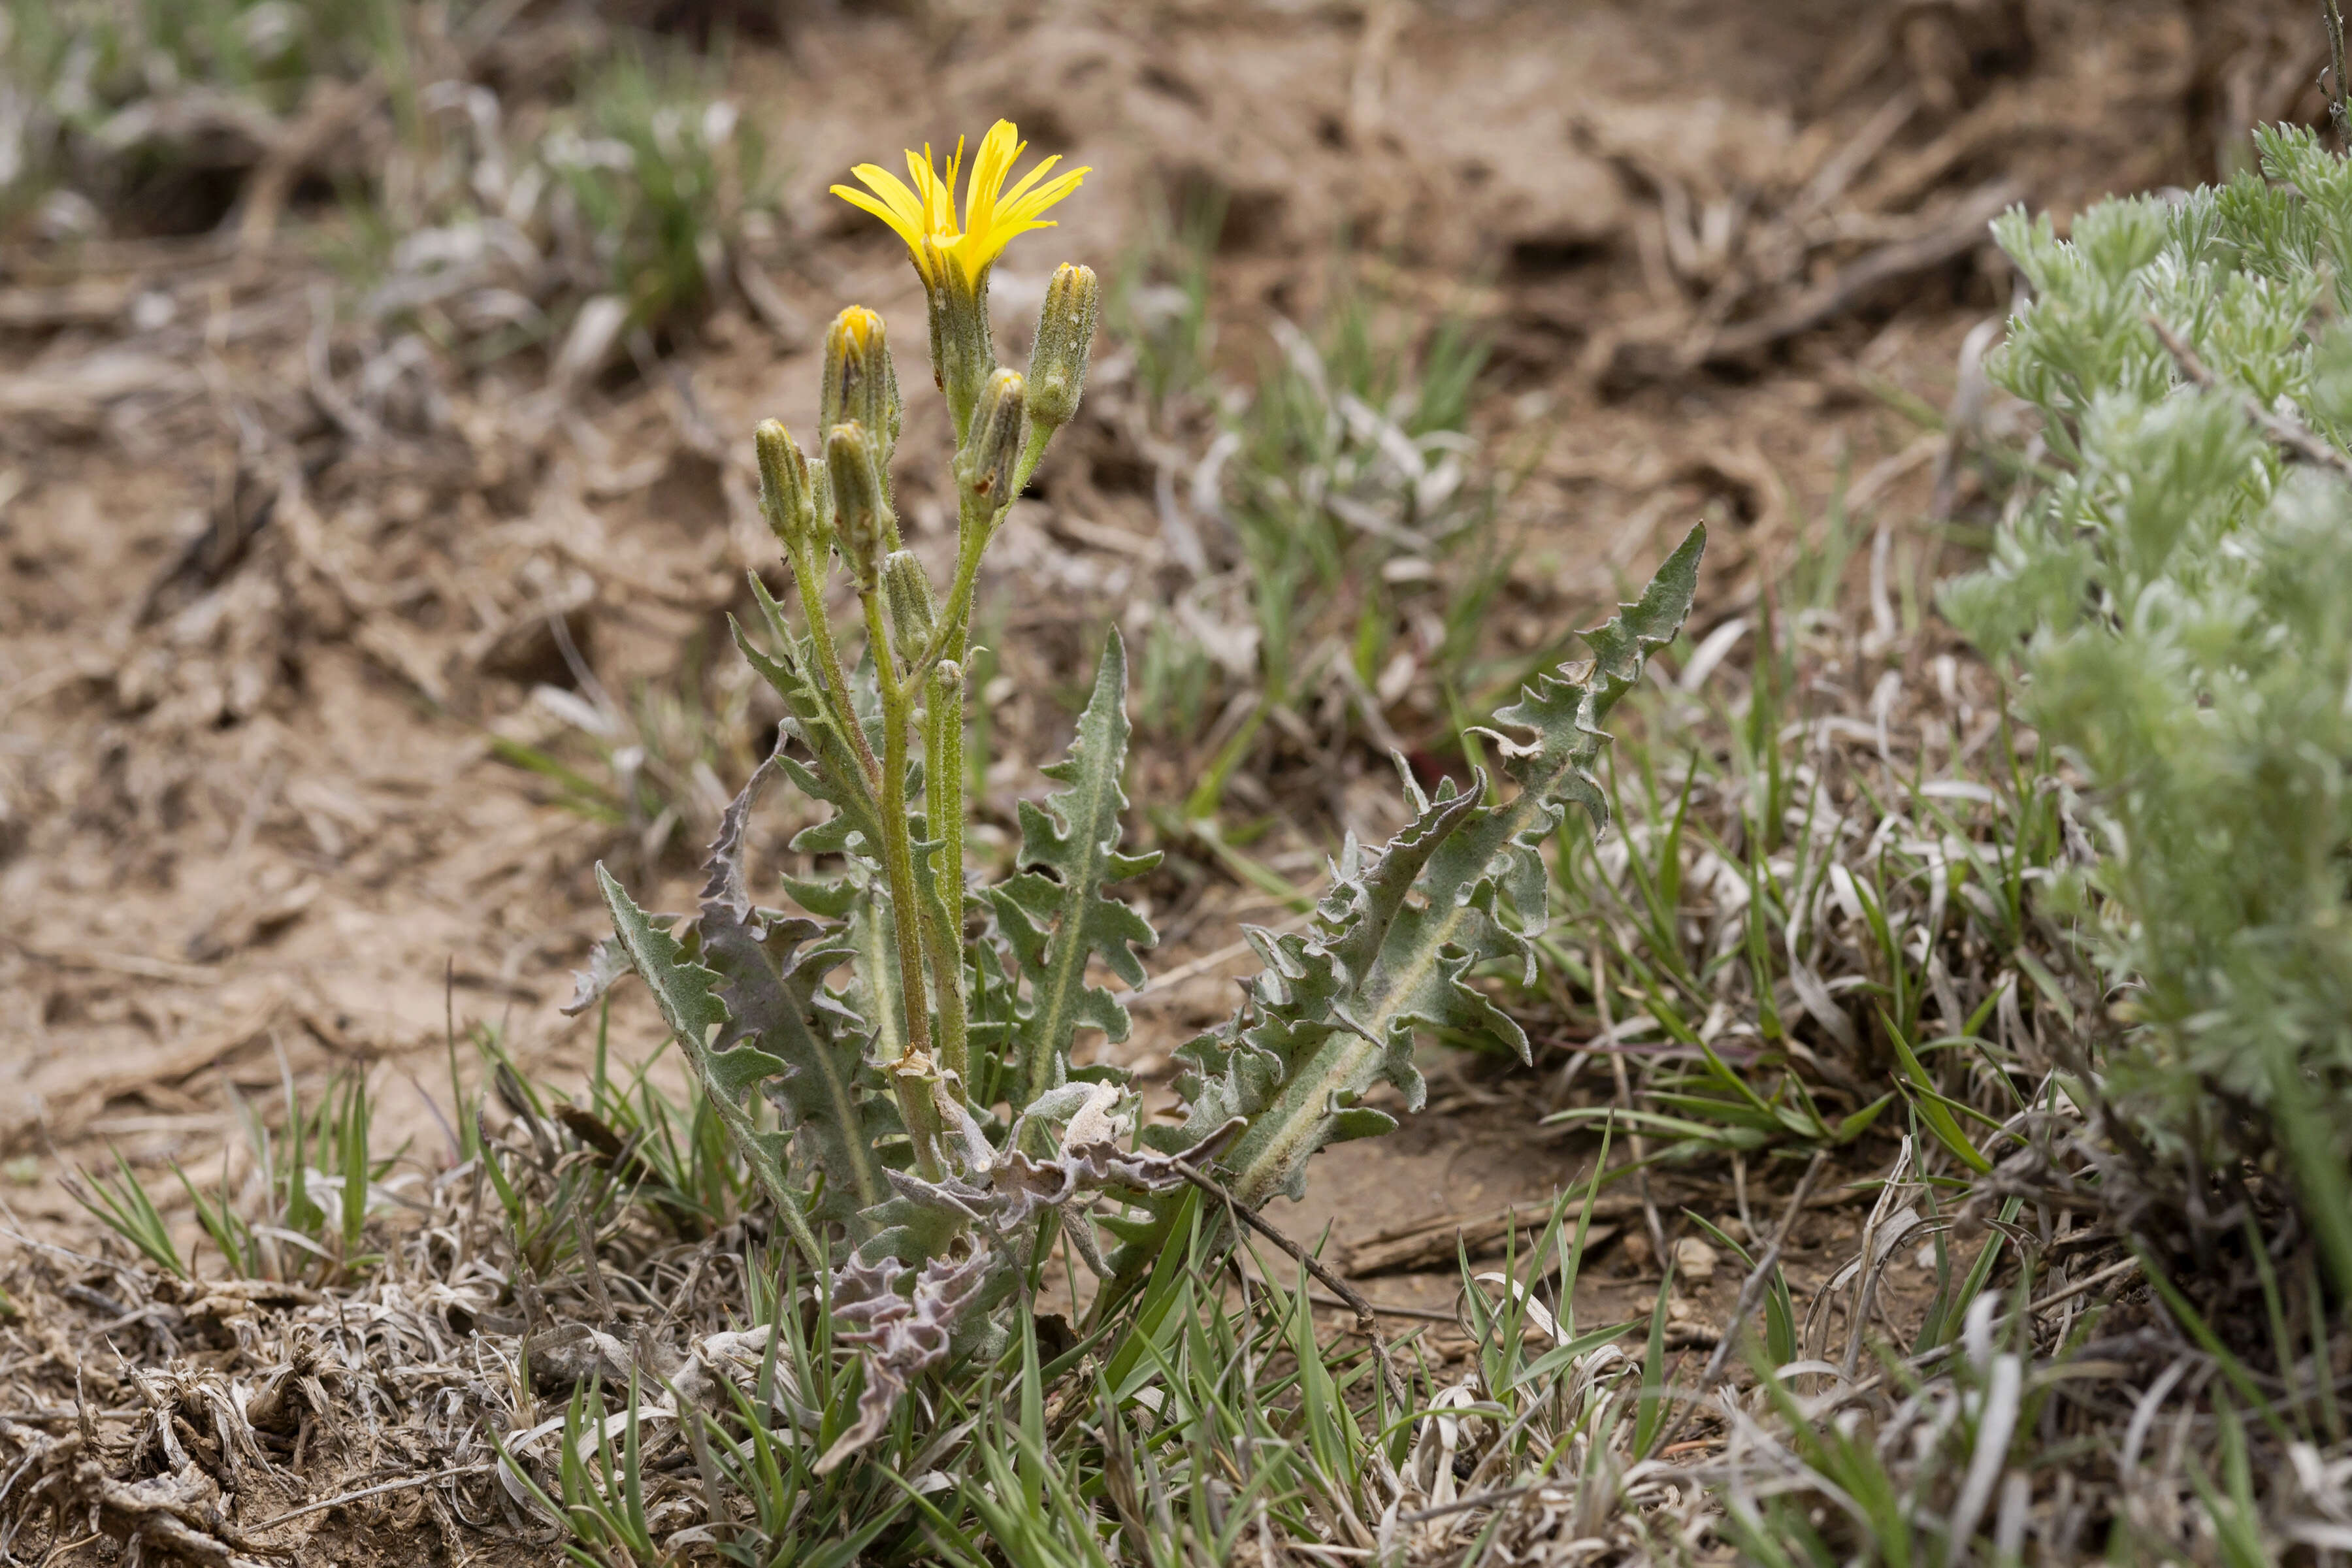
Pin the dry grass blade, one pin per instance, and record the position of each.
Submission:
(1751, 1292)
(1366, 1315)
(1434, 1244)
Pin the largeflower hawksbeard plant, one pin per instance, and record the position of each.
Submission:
(892, 1058)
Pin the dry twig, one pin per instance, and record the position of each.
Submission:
(2286, 430)
(1751, 1290)
(1367, 1316)
(1960, 232)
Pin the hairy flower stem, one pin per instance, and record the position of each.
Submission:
(979, 525)
(910, 1076)
(976, 529)
(940, 668)
(807, 576)
(1033, 452)
(943, 810)
(944, 949)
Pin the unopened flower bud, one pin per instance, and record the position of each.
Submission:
(787, 497)
(860, 385)
(860, 502)
(994, 450)
(914, 613)
(1066, 338)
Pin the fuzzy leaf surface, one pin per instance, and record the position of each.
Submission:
(779, 1012)
(1394, 942)
(687, 994)
(1054, 913)
(837, 779)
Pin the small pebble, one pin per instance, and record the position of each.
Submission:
(1693, 1260)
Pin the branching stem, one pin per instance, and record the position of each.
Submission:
(979, 522)
(976, 530)
(2292, 433)
(2339, 93)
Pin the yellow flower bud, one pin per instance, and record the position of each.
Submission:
(860, 498)
(1066, 339)
(860, 383)
(994, 450)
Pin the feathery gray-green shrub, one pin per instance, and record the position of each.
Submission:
(2177, 600)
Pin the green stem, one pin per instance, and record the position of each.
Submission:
(980, 525)
(943, 784)
(1033, 452)
(910, 1077)
(916, 1081)
(806, 578)
(943, 809)
(976, 530)
(943, 765)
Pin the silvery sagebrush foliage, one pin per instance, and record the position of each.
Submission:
(2177, 600)
(926, 1110)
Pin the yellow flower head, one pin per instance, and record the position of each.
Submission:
(859, 326)
(993, 215)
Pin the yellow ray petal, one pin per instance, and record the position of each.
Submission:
(1025, 209)
(910, 232)
(887, 185)
(899, 210)
(998, 150)
(938, 196)
(923, 214)
(1021, 187)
